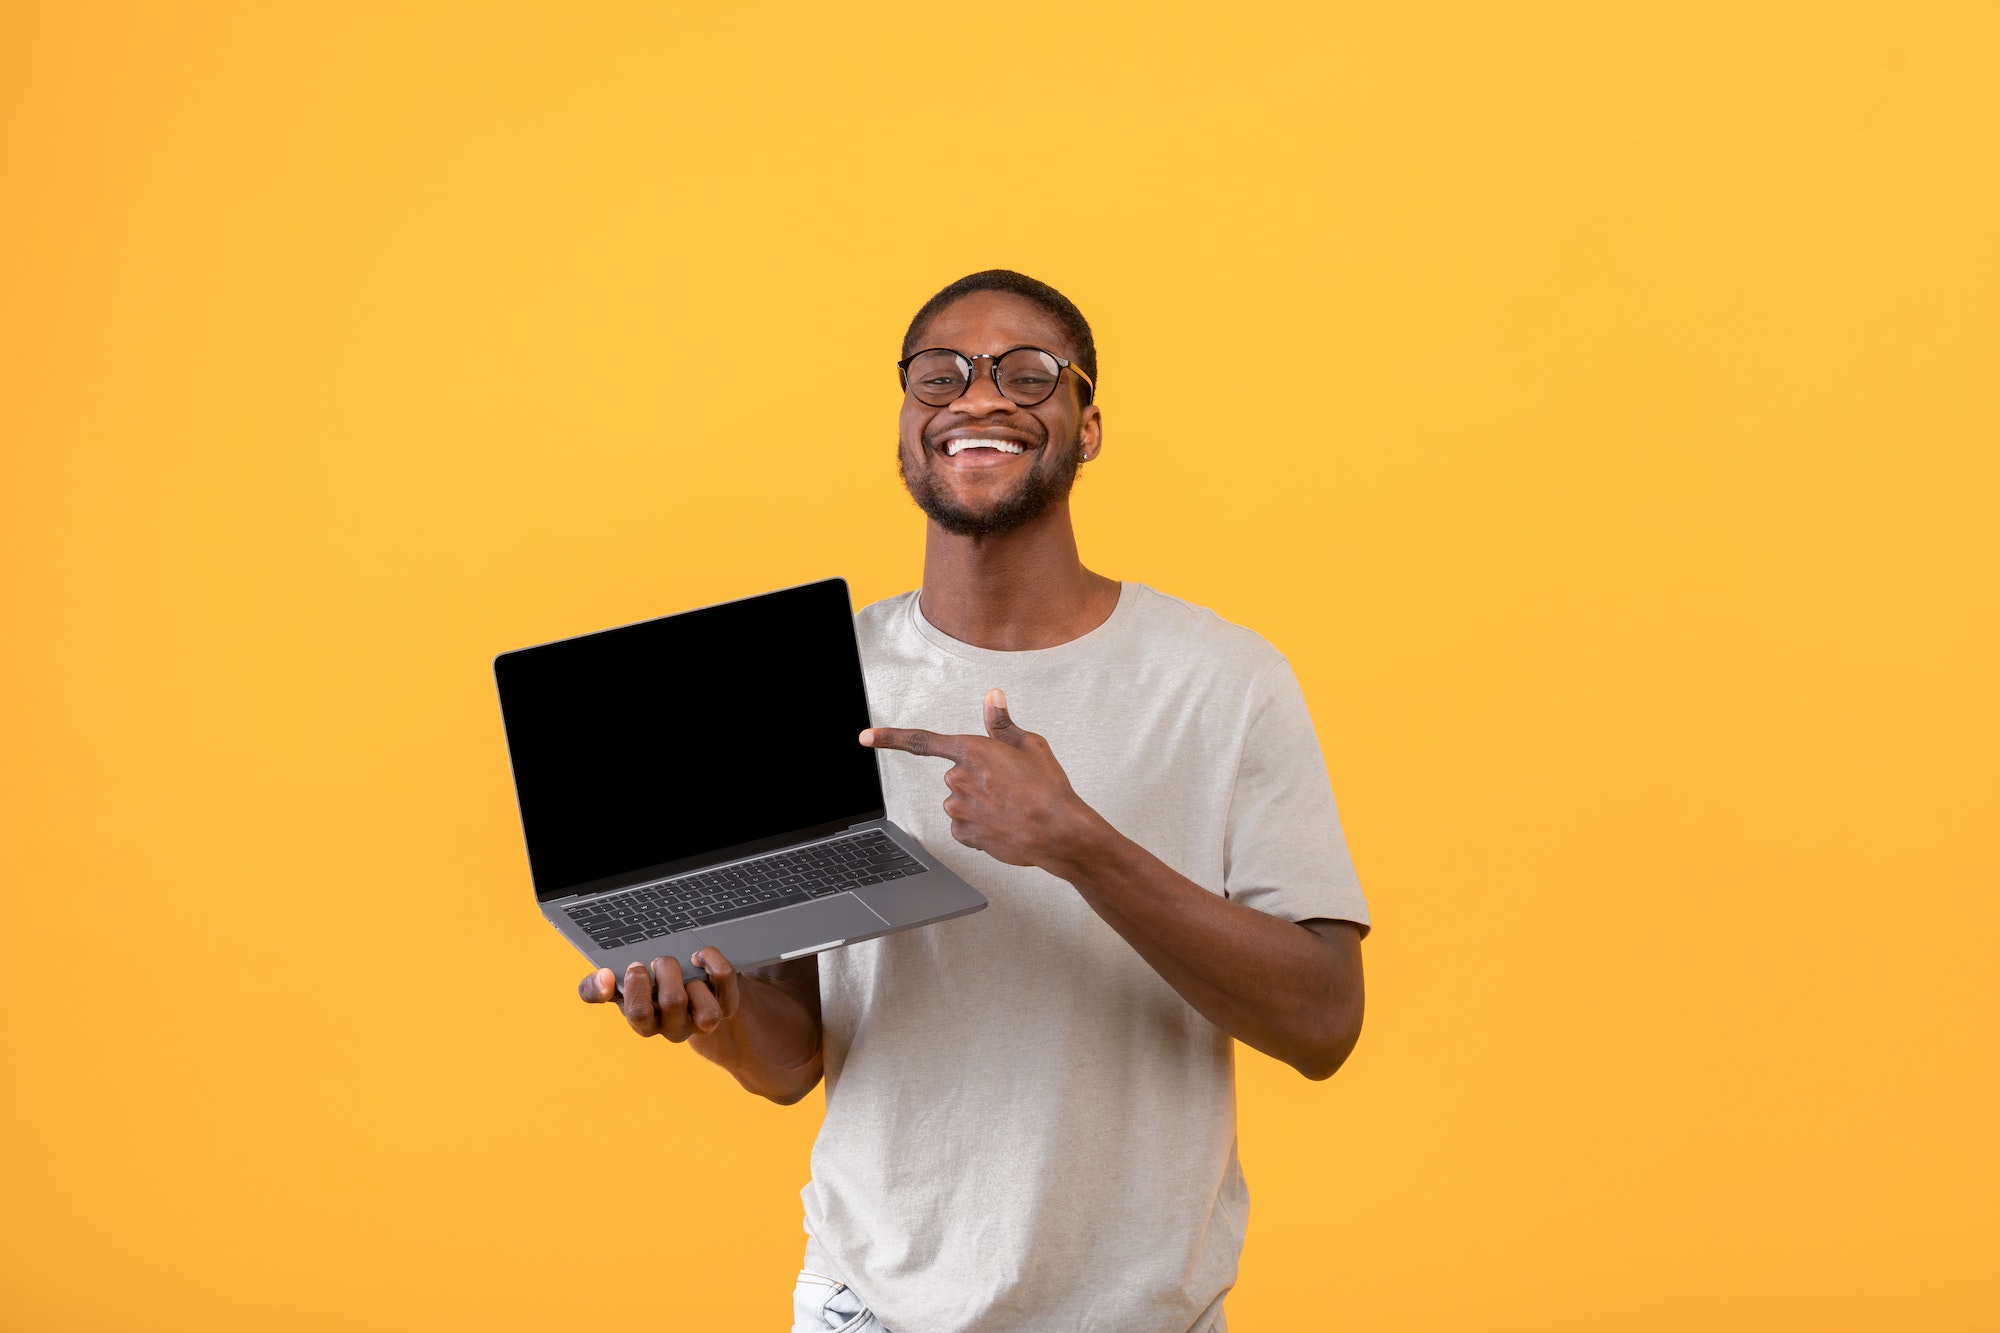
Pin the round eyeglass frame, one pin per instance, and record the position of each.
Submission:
(993, 369)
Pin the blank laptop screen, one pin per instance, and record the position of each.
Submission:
(673, 743)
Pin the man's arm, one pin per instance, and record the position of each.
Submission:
(1291, 989)
(762, 1026)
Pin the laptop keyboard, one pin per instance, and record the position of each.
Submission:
(782, 879)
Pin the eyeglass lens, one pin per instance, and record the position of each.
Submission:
(1027, 376)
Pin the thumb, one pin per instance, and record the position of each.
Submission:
(999, 722)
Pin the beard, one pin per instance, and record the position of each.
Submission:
(1049, 480)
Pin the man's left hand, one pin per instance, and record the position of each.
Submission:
(1009, 797)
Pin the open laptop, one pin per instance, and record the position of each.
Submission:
(698, 780)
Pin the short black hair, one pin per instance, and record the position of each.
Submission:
(1059, 307)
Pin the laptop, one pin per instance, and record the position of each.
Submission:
(698, 780)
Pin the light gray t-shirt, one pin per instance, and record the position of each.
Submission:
(1027, 1129)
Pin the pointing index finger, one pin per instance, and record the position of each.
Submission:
(927, 743)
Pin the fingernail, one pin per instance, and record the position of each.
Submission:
(868, 737)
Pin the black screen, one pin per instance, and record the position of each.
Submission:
(681, 741)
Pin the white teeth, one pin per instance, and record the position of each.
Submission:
(953, 448)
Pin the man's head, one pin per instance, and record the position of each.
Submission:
(985, 463)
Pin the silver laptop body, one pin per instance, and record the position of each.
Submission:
(698, 780)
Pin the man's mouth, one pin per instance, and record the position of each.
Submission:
(953, 448)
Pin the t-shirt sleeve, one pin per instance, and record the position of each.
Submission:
(1284, 852)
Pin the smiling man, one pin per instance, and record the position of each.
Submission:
(1030, 1111)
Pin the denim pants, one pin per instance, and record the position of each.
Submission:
(823, 1305)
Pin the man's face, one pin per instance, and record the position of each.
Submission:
(983, 490)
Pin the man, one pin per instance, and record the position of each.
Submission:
(1030, 1111)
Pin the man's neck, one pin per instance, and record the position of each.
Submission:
(1026, 589)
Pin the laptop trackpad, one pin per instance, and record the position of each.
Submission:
(757, 940)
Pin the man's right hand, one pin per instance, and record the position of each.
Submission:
(657, 1004)
(762, 1026)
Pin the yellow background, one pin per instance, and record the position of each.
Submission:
(1596, 402)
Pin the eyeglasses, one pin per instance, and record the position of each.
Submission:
(1023, 375)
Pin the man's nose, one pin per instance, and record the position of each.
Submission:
(982, 397)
